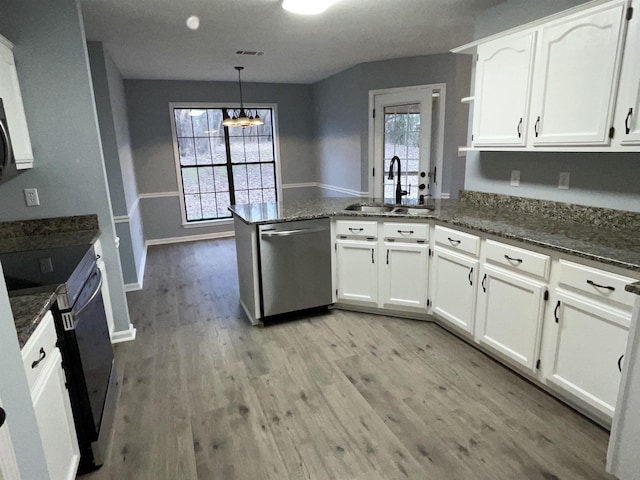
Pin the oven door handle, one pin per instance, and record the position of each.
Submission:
(4, 133)
(93, 295)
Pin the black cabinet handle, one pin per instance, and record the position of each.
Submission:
(355, 229)
(3, 416)
(42, 355)
(608, 287)
(484, 279)
(387, 256)
(535, 127)
(372, 259)
(519, 128)
(408, 232)
(627, 128)
(620, 362)
(555, 312)
(454, 241)
(511, 259)
(470, 272)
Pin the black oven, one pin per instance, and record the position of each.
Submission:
(83, 335)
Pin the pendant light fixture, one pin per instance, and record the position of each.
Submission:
(239, 118)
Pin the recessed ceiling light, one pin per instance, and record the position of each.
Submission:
(306, 7)
(193, 22)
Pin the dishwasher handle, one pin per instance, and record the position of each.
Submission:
(289, 233)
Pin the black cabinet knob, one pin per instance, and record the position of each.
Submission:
(422, 174)
(3, 416)
(422, 186)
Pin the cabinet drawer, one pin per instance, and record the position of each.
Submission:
(42, 340)
(596, 283)
(515, 258)
(357, 228)
(459, 241)
(406, 231)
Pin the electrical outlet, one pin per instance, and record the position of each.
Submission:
(563, 181)
(46, 265)
(31, 197)
(515, 178)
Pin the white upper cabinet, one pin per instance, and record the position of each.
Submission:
(13, 107)
(575, 77)
(503, 85)
(627, 119)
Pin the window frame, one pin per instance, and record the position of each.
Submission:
(176, 153)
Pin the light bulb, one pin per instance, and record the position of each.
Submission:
(306, 7)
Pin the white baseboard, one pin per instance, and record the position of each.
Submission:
(128, 335)
(189, 238)
(132, 287)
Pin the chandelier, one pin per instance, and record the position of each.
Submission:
(240, 118)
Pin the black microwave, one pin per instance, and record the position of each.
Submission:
(7, 160)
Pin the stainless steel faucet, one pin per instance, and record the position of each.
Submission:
(399, 191)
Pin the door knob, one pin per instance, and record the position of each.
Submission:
(3, 416)
(422, 174)
(422, 186)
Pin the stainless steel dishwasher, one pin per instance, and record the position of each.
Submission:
(295, 266)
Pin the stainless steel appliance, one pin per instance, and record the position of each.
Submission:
(295, 266)
(83, 335)
(8, 168)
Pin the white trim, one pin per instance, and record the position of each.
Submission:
(334, 188)
(176, 156)
(132, 287)
(208, 223)
(127, 218)
(120, 336)
(8, 463)
(470, 48)
(189, 238)
(158, 194)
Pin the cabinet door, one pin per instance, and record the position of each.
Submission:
(454, 288)
(14, 109)
(575, 77)
(404, 275)
(589, 345)
(55, 420)
(502, 89)
(510, 310)
(357, 271)
(628, 107)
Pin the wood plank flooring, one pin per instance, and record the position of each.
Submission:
(339, 395)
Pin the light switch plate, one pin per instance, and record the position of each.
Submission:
(563, 181)
(31, 197)
(515, 178)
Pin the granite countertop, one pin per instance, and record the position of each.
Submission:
(603, 235)
(633, 288)
(28, 312)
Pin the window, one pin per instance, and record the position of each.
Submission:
(219, 166)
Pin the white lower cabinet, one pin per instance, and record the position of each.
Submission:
(588, 349)
(454, 287)
(509, 315)
(404, 275)
(357, 271)
(43, 365)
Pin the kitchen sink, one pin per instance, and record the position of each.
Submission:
(417, 211)
(370, 208)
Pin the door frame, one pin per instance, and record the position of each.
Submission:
(438, 143)
(8, 463)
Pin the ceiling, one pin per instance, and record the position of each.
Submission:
(149, 38)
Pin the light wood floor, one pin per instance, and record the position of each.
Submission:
(335, 396)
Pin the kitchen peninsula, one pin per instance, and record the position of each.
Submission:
(538, 285)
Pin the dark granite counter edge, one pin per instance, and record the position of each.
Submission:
(29, 310)
(454, 222)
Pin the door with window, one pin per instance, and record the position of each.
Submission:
(218, 166)
(406, 124)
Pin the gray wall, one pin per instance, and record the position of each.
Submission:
(152, 143)
(342, 115)
(51, 59)
(108, 88)
(598, 179)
